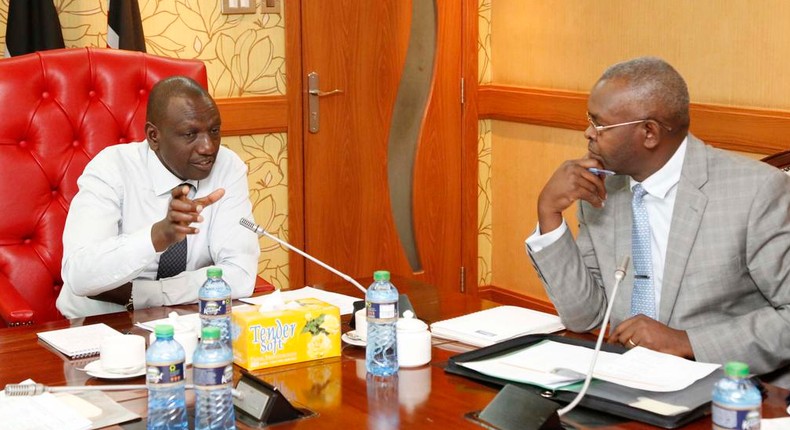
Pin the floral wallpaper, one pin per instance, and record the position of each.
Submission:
(244, 56)
(484, 230)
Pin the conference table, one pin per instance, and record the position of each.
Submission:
(335, 391)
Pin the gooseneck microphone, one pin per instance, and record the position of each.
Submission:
(619, 274)
(19, 390)
(36, 389)
(261, 232)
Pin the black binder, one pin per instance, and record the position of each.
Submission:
(601, 396)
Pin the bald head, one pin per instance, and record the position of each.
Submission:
(657, 89)
(168, 89)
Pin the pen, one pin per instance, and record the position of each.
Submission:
(596, 171)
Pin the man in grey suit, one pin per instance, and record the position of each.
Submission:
(715, 278)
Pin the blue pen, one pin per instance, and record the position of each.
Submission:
(596, 171)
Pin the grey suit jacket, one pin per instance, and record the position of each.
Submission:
(727, 268)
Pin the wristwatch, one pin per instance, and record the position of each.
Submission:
(130, 303)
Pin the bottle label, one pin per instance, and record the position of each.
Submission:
(731, 418)
(214, 307)
(382, 311)
(164, 374)
(212, 376)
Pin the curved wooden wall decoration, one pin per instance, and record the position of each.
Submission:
(761, 131)
(411, 104)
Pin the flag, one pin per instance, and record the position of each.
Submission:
(124, 26)
(33, 25)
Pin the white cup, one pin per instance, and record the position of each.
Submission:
(187, 337)
(361, 323)
(124, 354)
(414, 341)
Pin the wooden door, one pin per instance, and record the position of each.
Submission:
(382, 163)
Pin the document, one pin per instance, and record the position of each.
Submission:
(554, 365)
(42, 412)
(490, 326)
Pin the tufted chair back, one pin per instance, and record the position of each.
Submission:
(58, 109)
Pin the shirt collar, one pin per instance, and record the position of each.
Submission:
(659, 183)
(163, 181)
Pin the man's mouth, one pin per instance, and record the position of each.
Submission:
(203, 164)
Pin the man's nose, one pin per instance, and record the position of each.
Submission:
(590, 133)
(205, 144)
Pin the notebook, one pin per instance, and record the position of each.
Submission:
(80, 341)
(489, 326)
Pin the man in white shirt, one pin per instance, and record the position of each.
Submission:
(708, 241)
(137, 200)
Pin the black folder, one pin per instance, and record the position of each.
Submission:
(601, 396)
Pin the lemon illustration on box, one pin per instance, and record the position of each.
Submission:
(308, 329)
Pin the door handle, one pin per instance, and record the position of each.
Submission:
(312, 101)
(324, 93)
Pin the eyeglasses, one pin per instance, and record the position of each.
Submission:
(600, 128)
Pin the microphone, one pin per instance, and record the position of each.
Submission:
(19, 390)
(619, 274)
(261, 232)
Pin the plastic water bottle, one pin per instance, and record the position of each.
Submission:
(381, 300)
(212, 373)
(215, 304)
(164, 362)
(737, 403)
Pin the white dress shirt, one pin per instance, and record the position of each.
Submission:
(123, 191)
(662, 188)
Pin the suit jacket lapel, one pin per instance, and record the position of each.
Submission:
(687, 214)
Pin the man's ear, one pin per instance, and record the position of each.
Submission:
(152, 134)
(653, 132)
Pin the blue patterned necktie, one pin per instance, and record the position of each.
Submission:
(643, 297)
(174, 260)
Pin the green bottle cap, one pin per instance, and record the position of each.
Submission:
(381, 275)
(163, 330)
(214, 272)
(736, 369)
(210, 332)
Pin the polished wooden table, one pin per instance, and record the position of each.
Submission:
(335, 389)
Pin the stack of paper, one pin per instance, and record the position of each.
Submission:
(494, 325)
(553, 365)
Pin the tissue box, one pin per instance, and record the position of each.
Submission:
(307, 329)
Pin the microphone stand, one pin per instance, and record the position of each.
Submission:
(261, 232)
(619, 274)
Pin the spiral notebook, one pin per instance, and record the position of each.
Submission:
(80, 341)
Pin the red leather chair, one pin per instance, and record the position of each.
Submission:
(58, 109)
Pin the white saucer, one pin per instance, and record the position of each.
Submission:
(94, 369)
(351, 339)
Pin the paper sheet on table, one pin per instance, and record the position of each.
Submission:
(42, 412)
(342, 301)
(638, 368)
